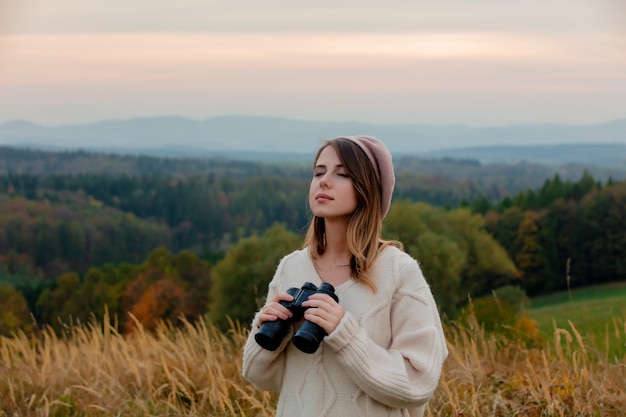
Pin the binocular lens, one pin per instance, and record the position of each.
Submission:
(271, 334)
(306, 342)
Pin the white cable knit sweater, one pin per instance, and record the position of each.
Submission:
(384, 358)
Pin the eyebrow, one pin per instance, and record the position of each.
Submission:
(324, 166)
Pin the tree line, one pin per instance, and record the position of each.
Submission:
(161, 246)
(565, 235)
(66, 222)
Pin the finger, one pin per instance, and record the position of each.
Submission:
(327, 325)
(327, 319)
(282, 296)
(318, 296)
(273, 316)
(274, 311)
(320, 300)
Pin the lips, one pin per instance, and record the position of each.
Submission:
(323, 197)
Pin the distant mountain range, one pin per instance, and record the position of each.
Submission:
(263, 138)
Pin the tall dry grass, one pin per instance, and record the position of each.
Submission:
(94, 370)
(195, 370)
(509, 374)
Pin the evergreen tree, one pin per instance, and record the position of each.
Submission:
(559, 238)
(603, 237)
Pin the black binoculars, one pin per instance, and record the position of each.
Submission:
(309, 335)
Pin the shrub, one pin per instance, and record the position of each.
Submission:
(513, 296)
(492, 314)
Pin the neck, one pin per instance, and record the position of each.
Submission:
(337, 242)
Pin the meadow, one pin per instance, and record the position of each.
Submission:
(595, 311)
(195, 370)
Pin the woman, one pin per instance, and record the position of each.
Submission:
(385, 346)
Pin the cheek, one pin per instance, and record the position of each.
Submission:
(355, 199)
(312, 188)
(354, 196)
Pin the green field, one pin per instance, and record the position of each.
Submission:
(598, 313)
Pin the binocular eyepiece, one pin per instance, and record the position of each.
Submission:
(309, 335)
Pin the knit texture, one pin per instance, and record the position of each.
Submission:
(384, 358)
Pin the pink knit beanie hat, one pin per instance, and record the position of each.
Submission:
(380, 157)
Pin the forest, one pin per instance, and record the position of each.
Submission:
(141, 239)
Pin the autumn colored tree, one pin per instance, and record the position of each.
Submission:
(530, 259)
(166, 287)
(14, 314)
(162, 300)
(75, 234)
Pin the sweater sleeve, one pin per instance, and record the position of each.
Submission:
(406, 374)
(264, 368)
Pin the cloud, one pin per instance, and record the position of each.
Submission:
(330, 57)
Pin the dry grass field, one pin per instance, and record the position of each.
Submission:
(195, 370)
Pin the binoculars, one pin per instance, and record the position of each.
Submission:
(309, 335)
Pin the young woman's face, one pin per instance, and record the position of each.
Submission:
(331, 194)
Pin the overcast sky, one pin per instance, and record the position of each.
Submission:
(479, 62)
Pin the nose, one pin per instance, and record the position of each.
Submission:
(325, 180)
